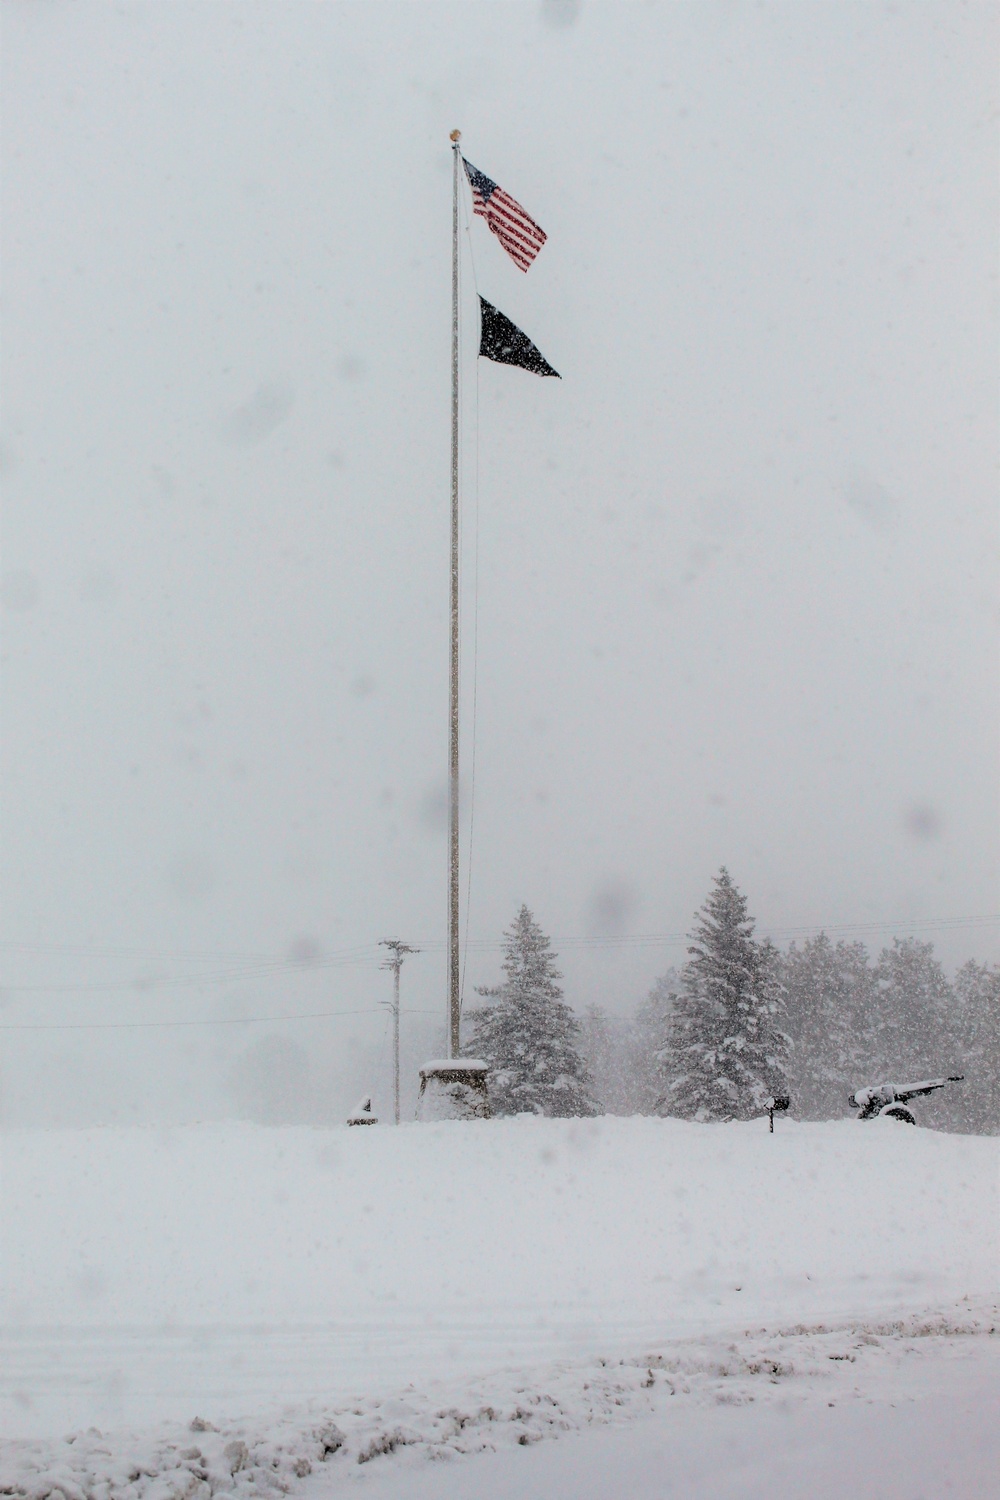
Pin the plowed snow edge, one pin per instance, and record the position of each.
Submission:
(444, 1420)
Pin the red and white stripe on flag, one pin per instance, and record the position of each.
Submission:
(517, 231)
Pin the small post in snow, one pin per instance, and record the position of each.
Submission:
(779, 1102)
(397, 951)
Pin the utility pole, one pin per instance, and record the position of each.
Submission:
(397, 952)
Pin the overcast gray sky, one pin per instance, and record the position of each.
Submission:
(736, 570)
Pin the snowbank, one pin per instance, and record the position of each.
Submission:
(681, 1389)
(902, 1421)
(229, 1268)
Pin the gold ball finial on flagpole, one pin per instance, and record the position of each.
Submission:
(456, 135)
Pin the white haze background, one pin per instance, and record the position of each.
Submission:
(736, 571)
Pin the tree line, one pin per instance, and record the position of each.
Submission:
(741, 1021)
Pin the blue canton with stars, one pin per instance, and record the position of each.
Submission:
(479, 180)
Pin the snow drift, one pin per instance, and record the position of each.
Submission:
(228, 1268)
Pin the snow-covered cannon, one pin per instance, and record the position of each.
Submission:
(889, 1100)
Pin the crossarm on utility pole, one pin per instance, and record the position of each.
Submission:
(397, 952)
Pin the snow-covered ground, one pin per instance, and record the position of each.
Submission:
(919, 1422)
(313, 1299)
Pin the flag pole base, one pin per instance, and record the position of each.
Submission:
(454, 1088)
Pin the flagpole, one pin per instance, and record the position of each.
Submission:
(453, 1017)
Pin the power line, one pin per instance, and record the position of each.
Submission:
(84, 950)
(214, 956)
(480, 945)
(367, 955)
(654, 939)
(363, 951)
(268, 970)
(321, 1015)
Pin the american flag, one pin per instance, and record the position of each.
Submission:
(518, 234)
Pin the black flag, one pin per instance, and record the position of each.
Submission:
(500, 340)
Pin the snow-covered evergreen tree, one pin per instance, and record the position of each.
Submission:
(601, 1046)
(977, 995)
(529, 1035)
(625, 1054)
(913, 1027)
(649, 1043)
(830, 991)
(726, 1054)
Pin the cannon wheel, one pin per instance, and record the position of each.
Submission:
(897, 1112)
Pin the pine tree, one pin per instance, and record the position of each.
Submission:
(601, 1049)
(830, 989)
(623, 1053)
(726, 1054)
(977, 993)
(913, 1028)
(650, 1044)
(914, 1020)
(529, 1035)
